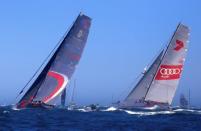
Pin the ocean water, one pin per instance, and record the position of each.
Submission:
(110, 119)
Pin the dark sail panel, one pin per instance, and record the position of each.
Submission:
(66, 60)
(31, 93)
(56, 74)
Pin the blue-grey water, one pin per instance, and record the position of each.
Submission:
(103, 120)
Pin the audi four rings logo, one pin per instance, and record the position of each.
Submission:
(169, 72)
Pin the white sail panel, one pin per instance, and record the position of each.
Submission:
(137, 95)
(166, 80)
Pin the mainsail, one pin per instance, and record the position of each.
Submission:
(159, 83)
(56, 74)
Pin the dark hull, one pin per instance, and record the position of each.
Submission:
(40, 105)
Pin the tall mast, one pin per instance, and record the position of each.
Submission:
(73, 91)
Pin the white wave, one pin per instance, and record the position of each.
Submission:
(188, 110)
(145, 113)
(110, 109)
(5, 112)
(134, 112)
(180, 110)
(15, 108)
(141, 113)
(152, 107)
(3, 105)
(83, 110)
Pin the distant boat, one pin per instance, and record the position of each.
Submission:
(183, 102)
(92, 107)
(159, 82)
(73, 106)
(54, 77)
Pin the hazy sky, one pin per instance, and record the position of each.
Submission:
(125, 36)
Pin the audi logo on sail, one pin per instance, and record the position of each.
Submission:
(165, 71)
(169, 72)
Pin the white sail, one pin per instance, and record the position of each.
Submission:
(166, 80)
(137, 95)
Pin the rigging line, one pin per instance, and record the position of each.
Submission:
(161, 60)
(130, 86)
(162, 47)
(37, 70)
(153, 58)
(45, 60)
(36, 91)
(138, 77)
(143, 74)
(56, 48)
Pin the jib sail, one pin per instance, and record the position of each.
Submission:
(137, 95)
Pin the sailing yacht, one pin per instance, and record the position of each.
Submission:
(159, 82)
(54, 77)
(183, 102)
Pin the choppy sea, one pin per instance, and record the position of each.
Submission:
(110, 119)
